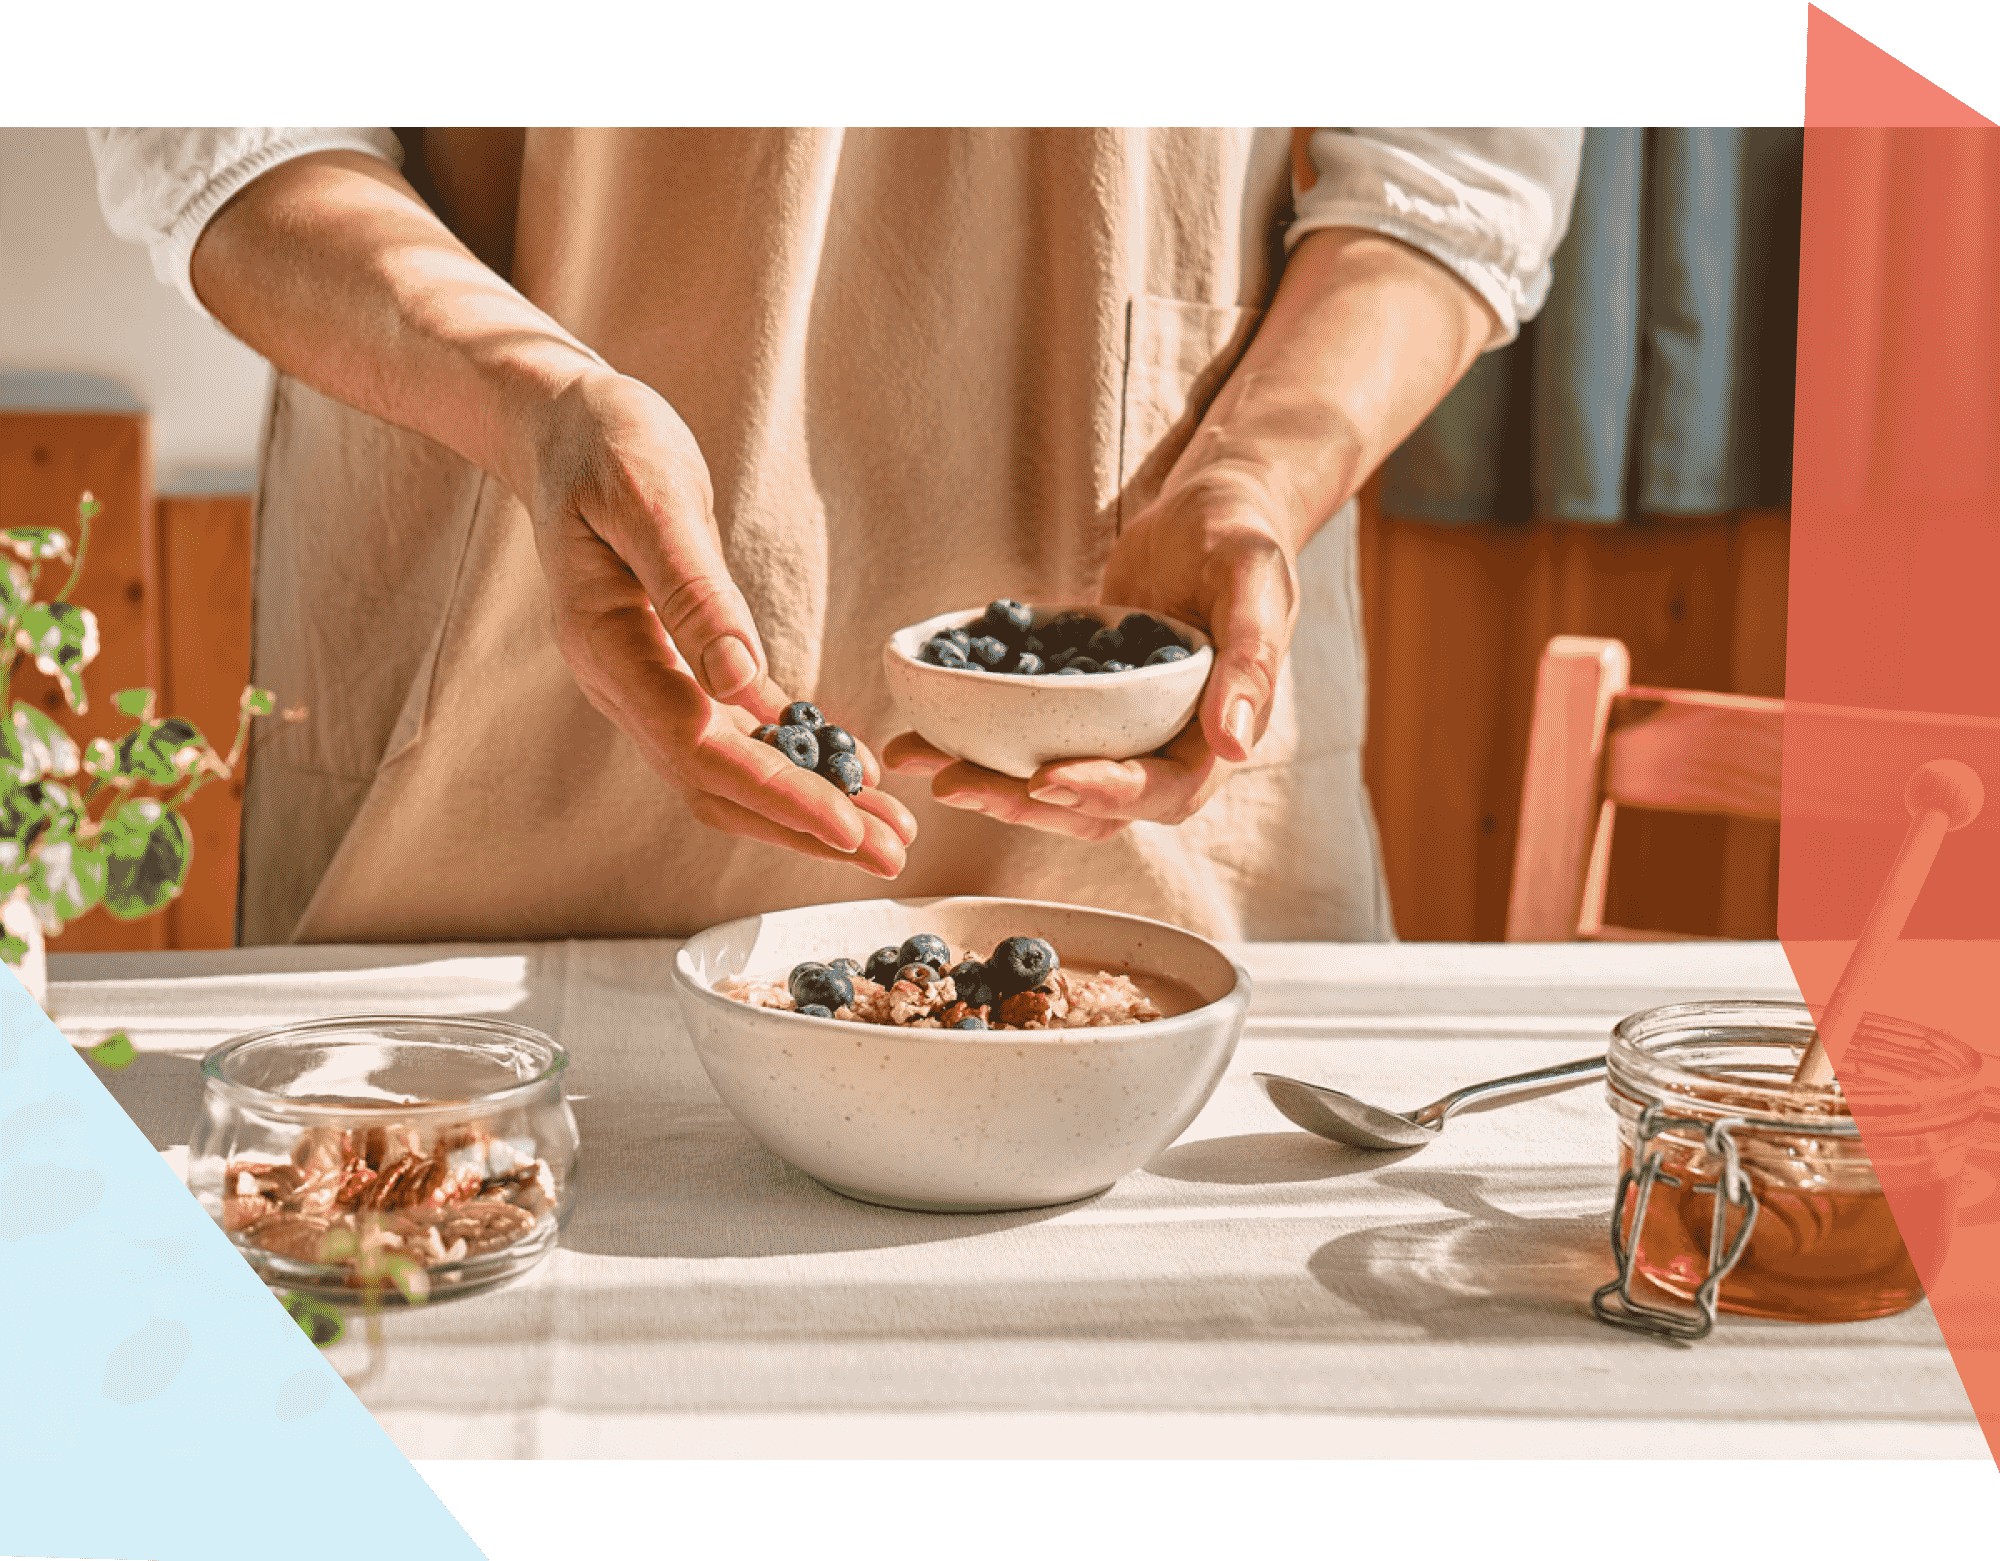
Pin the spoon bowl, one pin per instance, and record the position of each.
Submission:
(1334, 1114)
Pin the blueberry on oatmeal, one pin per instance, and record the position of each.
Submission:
(926, 948)
(883, 965)
(813, 982)
(847, 967)
(814, 1010)
(1019, 964)
(969, 1022)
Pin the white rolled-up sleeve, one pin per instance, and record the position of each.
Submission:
(159, 188)
(1489, 205)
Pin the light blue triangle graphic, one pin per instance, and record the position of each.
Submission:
(155, 1399)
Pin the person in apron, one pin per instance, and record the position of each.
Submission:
(590, 449)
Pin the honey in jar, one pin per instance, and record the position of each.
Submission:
(1696, 1086)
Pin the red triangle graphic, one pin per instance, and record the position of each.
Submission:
(1849, 81)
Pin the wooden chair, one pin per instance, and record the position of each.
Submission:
(1596, 743)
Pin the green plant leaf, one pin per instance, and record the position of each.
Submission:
(36, 746)
(155, 751)
(12, 950)
(16, 591)
(114, 1052)
(135, 702)
(32, 544)
(65, 879)
(258, 701)
(320, 1322)
(43, 808)
(62, 637)
(148, 851)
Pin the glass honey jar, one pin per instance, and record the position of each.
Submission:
(1740, 1192)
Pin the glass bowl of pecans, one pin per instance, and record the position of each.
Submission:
(386, 1159)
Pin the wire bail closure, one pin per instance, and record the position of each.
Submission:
(1614, 1303)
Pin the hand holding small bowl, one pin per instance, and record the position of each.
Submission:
(978, 725)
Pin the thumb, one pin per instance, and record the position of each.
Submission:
(1252, 632)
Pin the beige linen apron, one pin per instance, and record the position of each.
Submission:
(926, 368)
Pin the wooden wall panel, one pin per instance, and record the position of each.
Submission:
(47, 461)
(205, 574)
(1457, 618)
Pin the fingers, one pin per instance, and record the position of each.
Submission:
(880, 854)
(967, 786)
(909, 754)
(1252, 629)
(637, 480)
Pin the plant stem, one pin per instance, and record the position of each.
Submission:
(84, 511)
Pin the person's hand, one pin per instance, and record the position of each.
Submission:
(1211, 553)
(658, 636)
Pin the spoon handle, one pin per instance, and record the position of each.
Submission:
(1435, 1113)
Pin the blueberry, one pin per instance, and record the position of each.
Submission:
(1070, 672)
(1116, 666)
(1105, 644)
(844, 770)
(1019, 964)
(941, 652)
(882, 965)
(1082, 664)
(1070, 628)
(813, 982)
(798, 744)
(1167, 653)
(850, 968)
(925, 948)
(834, 739)
(1011, 615)
(1033, 646)
(1141, 627)
(962, 638)
(918, 974)
(970, 1022)
(967, 972)
(802, 713)
(814, 1010)
(1027, 666)
(990, 653)
(765, 733)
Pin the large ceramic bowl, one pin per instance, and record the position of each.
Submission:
(1015, 724)
(960, 1120)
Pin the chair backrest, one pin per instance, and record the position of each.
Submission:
(1596, 742)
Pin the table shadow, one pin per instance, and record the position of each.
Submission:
(708, 1189)
(1487, 1274)
(1261, 1159)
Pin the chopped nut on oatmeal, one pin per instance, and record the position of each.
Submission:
(1020, 986)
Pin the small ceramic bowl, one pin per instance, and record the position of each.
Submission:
(960, 1120)
(1015, 724)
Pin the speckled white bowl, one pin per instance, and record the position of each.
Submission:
(959, 1120)
(1017, 724)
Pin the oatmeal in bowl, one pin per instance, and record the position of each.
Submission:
(1015, 1054)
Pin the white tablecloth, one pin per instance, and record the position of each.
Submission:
(1254, 1292)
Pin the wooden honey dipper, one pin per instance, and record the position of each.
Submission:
(1942, 795)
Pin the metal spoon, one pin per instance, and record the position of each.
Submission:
(1345, 1120)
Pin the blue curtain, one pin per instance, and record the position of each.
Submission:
(1658, 378)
